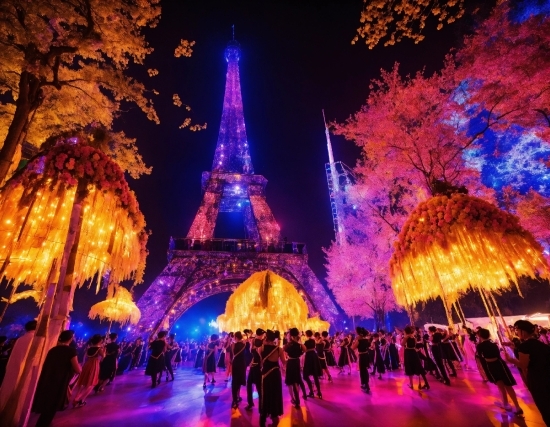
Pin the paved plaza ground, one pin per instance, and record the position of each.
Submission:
(130, 402)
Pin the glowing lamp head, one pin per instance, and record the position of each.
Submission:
(233, 51)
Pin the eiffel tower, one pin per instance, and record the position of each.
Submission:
(201, 264)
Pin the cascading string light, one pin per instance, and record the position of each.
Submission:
(267, 300)
(450, 245)
(36, 208)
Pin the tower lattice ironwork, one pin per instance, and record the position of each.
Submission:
(201, 264)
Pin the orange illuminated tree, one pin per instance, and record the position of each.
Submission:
(63, 66)
(65, 219)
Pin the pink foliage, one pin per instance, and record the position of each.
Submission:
(507, 66)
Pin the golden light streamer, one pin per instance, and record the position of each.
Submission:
(266, 300)
(119, 308)
(450, 245)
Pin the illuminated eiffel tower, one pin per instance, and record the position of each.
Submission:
(201, 264)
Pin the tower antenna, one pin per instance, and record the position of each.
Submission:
(233, 29)
(333, 188)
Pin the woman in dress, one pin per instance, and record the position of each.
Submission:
(238, 368)
(107, 367)
(362, 344)
(271, 397)
(378, 362)
(450, 356)
(422, 342)
(329, 353)
(344, 359)
(199, 357)
(293, 375)
(312, 367)
(469, 345)
(221, 355)
(90, 371)
(394, 354)
(384, 351)
(351, 353)
(209, 363)
(59, 368)
(413, 365)
(155, 364)
(228, 355)
(497, 370)
(169, 356)
(125, 358)
(177, 357)
(320, 349)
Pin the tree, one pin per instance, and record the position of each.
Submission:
(357, 269)
(397, 19)
(415, 127)
(506, 67)
(64, 65)
(534, 212)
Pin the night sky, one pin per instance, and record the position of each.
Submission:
(296, 59)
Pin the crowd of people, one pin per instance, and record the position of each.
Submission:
(264, 359)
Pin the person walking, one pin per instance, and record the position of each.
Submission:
(436, 339)
(413, 365)
(51, 393)
(362, 344)
(293, 375)
(14, 367)
(320, 349)
(209, 363)
(108, 366)
(271, 397)
(497, 371)
(312, 368)
(155, 364)
(255, 371)
(534, 365)
(238, 368)
(89, 376)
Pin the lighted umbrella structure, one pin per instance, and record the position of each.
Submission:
(118, 307)
(267, 300)
(451, 244)
(66, 218)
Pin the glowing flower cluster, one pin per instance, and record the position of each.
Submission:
(35, 210)
(267, 300)
(451, 244)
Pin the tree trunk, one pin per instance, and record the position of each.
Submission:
(64, 292)
(28, 101)
(17, 409)
(379, 318)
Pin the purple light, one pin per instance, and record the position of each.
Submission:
(232, 128)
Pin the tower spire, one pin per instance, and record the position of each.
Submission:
(334, 189)
(232, 152)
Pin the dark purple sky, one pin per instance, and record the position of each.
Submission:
(296, 60)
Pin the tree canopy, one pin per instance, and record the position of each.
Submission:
(64, 66)
(423, 135)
